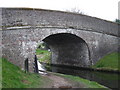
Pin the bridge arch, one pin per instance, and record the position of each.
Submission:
(68, 49)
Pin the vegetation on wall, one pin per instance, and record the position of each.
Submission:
(117, 21)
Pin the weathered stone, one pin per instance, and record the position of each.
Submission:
(74, 39)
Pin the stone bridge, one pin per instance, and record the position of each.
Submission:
(74, 39)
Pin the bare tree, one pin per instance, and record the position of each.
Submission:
(75, 10)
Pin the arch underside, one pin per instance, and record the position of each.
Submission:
(68, 49)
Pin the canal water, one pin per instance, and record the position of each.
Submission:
(108, 79)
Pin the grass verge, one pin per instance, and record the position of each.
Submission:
(13, 77)
(85, 82)
(109, 62)
(43, 55)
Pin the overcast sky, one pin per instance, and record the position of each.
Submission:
(105, 9)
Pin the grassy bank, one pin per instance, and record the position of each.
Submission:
(43, 55)
(86, 83)
(13, 77)
(109, 62)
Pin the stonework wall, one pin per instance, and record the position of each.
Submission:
(23, 29)
(21, 44)
(38, 17)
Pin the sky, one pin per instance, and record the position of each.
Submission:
(104, 9)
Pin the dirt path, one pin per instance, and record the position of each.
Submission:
(61, 82)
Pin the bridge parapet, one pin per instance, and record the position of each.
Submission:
(17, 17)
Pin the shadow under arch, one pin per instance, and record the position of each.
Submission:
(68, 49)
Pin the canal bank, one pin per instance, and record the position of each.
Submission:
(106, 71)
(14, 77)
(106, 78)
(69, 81)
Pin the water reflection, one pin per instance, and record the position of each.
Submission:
(107, 79)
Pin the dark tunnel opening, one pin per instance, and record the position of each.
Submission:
(68, 49)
